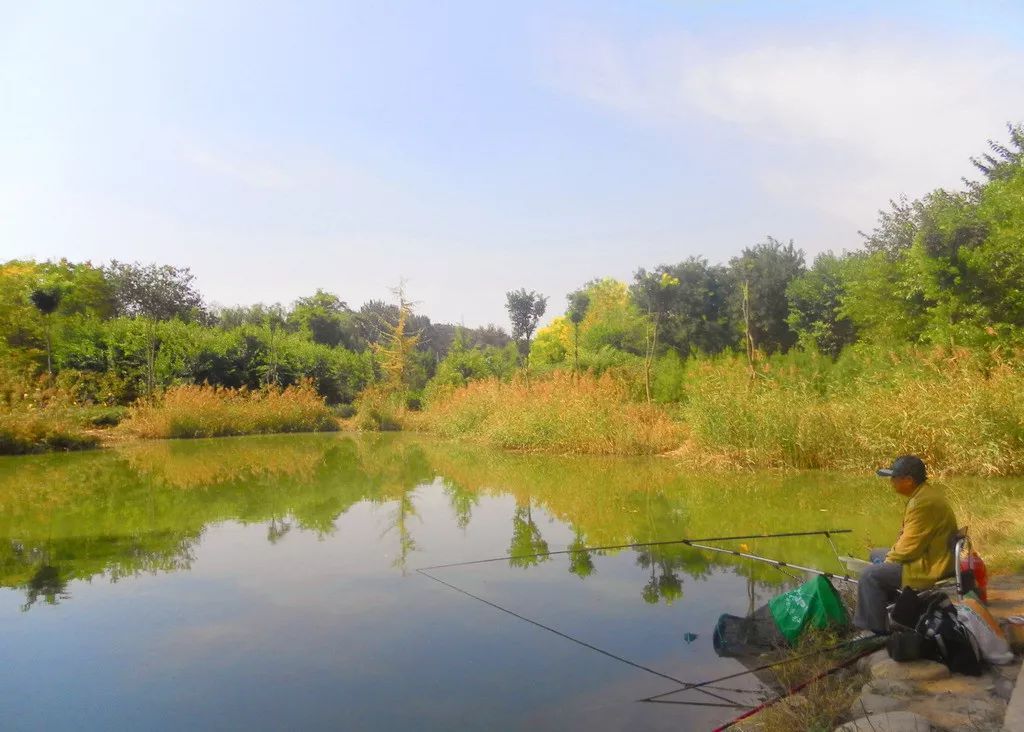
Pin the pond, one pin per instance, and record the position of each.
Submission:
(270, 582)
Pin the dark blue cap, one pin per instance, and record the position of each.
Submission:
(910, 465)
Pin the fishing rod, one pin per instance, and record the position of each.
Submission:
(660, 698)
(774, 562)
(793, 690)
(639, 545)
(722, 700)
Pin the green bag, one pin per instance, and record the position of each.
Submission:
(815, 602)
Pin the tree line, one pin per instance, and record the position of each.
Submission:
(943, 269)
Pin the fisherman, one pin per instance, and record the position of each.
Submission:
(921, 556)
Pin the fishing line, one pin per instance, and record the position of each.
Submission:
(799, 687)
(763, 667)
(609, 654)
(610, 547)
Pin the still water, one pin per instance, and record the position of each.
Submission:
(270, 583)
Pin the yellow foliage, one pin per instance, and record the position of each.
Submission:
(208, 411)
(558, 414)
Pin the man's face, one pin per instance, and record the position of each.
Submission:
(903, 484)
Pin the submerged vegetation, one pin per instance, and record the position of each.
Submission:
(914, 343)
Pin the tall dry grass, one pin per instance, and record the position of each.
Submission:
(28, 431)
(207, 411)
(36, 416)
(962, 412)
(558, 413)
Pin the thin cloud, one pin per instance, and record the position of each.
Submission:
(251, 174)
(881, 118)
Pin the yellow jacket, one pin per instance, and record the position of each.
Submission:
(923, 544)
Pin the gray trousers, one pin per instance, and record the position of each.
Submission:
(877, 587)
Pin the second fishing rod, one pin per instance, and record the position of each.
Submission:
(700, 543)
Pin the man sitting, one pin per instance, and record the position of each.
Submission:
(921, 555)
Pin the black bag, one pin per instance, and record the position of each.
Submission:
(954, 644)
(909, 645)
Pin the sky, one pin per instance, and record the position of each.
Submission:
(470, 148)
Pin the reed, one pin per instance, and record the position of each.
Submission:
(207, 411)
(28, 431)
(558, 413)
(962, 412)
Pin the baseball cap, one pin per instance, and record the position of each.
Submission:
(910, 465)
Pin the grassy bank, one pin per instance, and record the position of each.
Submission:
(962, 411)
(23, 432)
(557, 414)
(206, 411)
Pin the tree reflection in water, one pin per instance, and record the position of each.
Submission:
(143, 508)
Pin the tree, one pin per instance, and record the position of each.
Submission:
(525, 309)
(697, 317)
(653, 293)
(396, 345)
(1001, 162)
(896, 228)
(815, 306)
(153, 293)
(579, 301)
(326, 319)
(46, 299)
(762, 273)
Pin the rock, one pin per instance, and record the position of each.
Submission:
(888, 722)
(973, 686)
(888, 687)
(871, 703)
(864, 665)
(1008, 672)
(909, 671)
(1003, 689)
(955, 712)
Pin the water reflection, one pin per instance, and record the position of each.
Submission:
(143, 508)
(266, 582)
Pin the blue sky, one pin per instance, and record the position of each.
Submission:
(473, 147)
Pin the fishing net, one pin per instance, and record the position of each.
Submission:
(749, 636)
(781, 621)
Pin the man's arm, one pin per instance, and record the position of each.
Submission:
(914, 538)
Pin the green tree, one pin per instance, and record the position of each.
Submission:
(579, 302)
(46, 299)
(815, 306)
(698, 318)
(327, 320)
(153, 294)
(525, 309)
(653, 293)
(762, 273)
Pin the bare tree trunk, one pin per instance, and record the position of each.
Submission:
(49, 346)
(150, 358)
(652, 345)
(576, 350)
(747, 337)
